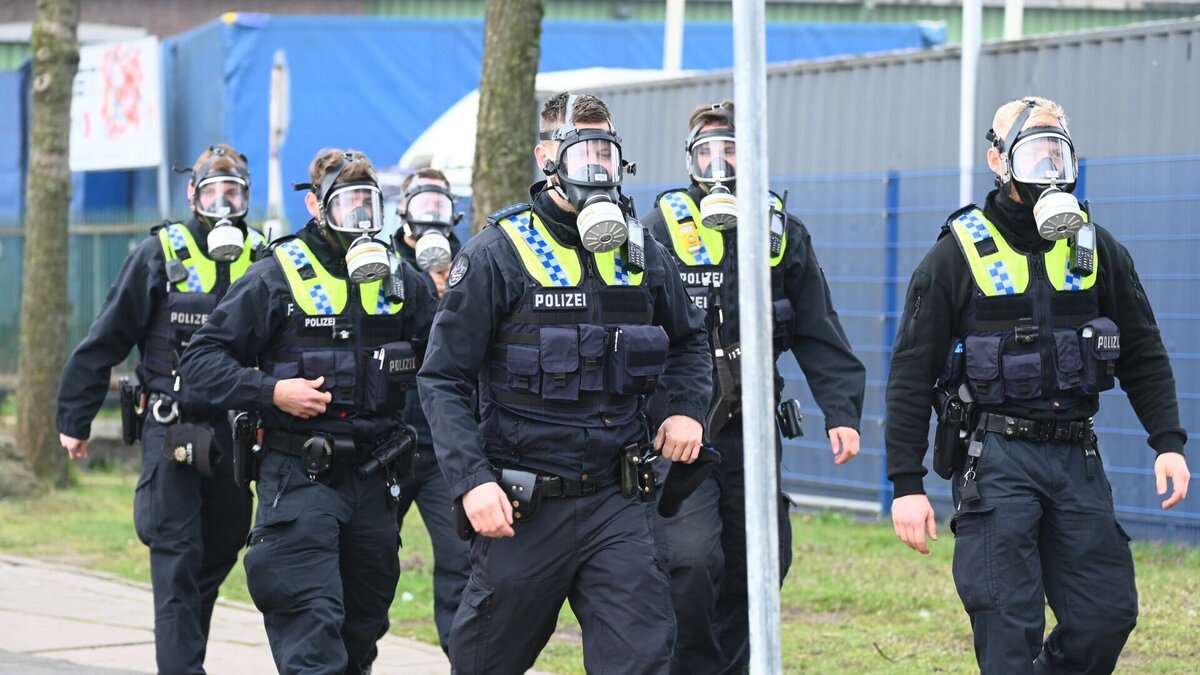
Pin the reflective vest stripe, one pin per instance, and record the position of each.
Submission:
(998, 269)
(552, 264)
(694, 244)
(202, 270)
(322, 293)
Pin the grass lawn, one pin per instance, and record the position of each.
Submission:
(856, 599)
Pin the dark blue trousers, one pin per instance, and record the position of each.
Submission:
(322, 566)
(704, 550)
(194, 527)
(594, 551)
(426, 486)
(1043, 531)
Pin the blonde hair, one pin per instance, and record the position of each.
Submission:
(1044, 113)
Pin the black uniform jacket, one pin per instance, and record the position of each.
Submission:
(834, 374)
(220, 361)
(938, 294)
(122, 324)
(492, 286)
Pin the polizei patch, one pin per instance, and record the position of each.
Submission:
(552, 300)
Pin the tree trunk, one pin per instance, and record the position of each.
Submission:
(55, 52)
(507, 107)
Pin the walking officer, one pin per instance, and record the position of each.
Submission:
(704, 545)
(187, 508)
(566, 315)
(322, 338)
(426, 239)
(1021, 314)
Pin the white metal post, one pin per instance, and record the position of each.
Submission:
(972, 30)
(673, 36)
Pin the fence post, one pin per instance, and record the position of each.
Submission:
(891, 267)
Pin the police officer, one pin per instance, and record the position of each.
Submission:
(1025, 311)
(567, 315)
(336, 337)
(705, 543)
(187, 508)
(426, 239)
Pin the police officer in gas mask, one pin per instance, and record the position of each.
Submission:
(704, 544)
(187, 509)
(561, 315)
(323, 338)
(1016, 321)
(426, 239)
(426, 235)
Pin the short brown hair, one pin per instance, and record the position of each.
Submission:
(327, 161)
(712, 113)
(427, 173)
(587, 108)
(229, 160)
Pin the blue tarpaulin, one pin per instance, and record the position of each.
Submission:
(12, 136)
(374, 84)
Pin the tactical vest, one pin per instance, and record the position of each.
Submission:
(353, 335)
(700, 252)
(579, 349)
(1032, 331)
(193, 291)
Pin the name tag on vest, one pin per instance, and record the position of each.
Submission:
(558, 300)
(711, 279)
(188, 318)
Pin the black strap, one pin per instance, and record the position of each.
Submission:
(1040, 431)
(598, 399)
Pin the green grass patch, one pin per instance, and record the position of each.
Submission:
(856, 599)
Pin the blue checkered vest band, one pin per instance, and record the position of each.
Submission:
(345, 332)
(1032, 334)
(189, 301)
(579, 348)
(706, 269)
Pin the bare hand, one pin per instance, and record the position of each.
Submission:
(489, 511)
(911, 515)
(300, 397)
(1172, 465)
(844, 442)
(76, 447)
(679, 438)
(439, 280)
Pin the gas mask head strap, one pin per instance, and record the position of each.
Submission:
(720, 110)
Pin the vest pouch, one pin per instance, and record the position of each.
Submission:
(783, 315)
(524, 368)
(591, 357)
(560, 363)
(339, 370)
(637, 358)
(983, 367)
(952, 369)
(389, 372)
(186, 312)
(1068, 361)
(1022, 373)
(1100, 345)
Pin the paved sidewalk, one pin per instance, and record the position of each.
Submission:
(56, 619)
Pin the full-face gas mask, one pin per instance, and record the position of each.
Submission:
(220, 198)
(352, 212)
(1040, 163)
(712, 165)
(588, 174)
(427, 215)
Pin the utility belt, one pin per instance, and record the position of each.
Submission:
(1038, 431)
(326, 458)
(526, 489)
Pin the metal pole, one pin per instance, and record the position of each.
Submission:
(673, 36)
(279, 113)
(164, 162)
(972, 29)
(754, 299)
(1014, 19)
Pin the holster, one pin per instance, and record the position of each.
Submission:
(726, 395)
(132, 413)
(637, 476)
(191, 444)
(791, 422)
(247, 451)
(394, 454)
(950, 437)
(521, 488)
